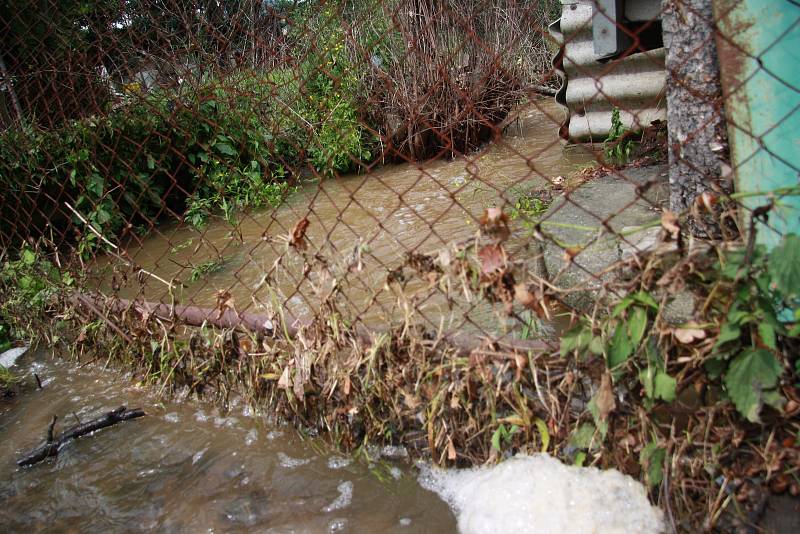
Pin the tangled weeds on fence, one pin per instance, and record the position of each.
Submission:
(462, 404)
(187, 192)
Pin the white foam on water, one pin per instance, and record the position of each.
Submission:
(344, 499)
(272, 435)
(172, 417)
(198, 455)
(9, 357)
(394, 451)
(540, 495)
(338, 462)
(227, 422)
(337, 525)
(290, 463)
(251, 437)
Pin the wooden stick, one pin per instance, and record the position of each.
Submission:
(52, 445)
(258, 323)
(115, 247)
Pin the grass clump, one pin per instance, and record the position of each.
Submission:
(7, 379)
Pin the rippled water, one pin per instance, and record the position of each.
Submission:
(186, 467)
(390, 210)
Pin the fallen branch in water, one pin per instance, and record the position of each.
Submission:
(52, 445)
(260, 323)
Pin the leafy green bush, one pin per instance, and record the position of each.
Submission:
(26, 286)
(752, 305)
(330, 94)
(765, 307)
(224, 145)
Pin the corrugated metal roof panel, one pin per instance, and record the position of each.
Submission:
(635, 84)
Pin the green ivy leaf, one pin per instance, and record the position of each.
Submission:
(573, 338)
(637, 324)
(225, 148)
(498, 434)
(596, 345)
(652, 461)
(643, 297)
(620, 349)
(795, 331)
(28, 257)
(600, 424)
(784, 265)
(749, 377)
(767, 333)
(96, 185)
(543, 433)
(665, 387)
(622, 306)
(581, 437)
(728, 332)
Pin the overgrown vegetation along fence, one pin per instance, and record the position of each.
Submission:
(360, 215)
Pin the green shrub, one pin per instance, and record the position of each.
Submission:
(752, 305)
(226, 144)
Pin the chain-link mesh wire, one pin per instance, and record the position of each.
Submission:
(482, 172)
(401, 161)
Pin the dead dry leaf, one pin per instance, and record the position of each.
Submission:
(571, 252)
(605, 401)
(224, 302)
(298, 238)
(688, 335)
(495, 223)
(534, 301)
(492, 258)
(707, 200)
(521, 361)
(285, 381)
(669, 221)
(347, 386)
(493, 216)
(412, 401)
(451, 449)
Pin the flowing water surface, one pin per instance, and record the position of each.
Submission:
(185, 467)
(383, 214)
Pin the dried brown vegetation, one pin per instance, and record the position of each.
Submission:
(449, 72)
(462, 403)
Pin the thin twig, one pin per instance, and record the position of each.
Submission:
(115, 247)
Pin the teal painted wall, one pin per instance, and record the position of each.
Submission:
(759, 46)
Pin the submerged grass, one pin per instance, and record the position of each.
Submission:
(7, 379)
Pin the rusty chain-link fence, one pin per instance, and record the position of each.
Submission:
(474, 173)
(179, 147)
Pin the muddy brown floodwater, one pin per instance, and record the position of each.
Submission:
(187, 468)
(384, 213)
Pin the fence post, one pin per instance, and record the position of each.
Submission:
(696, 125)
